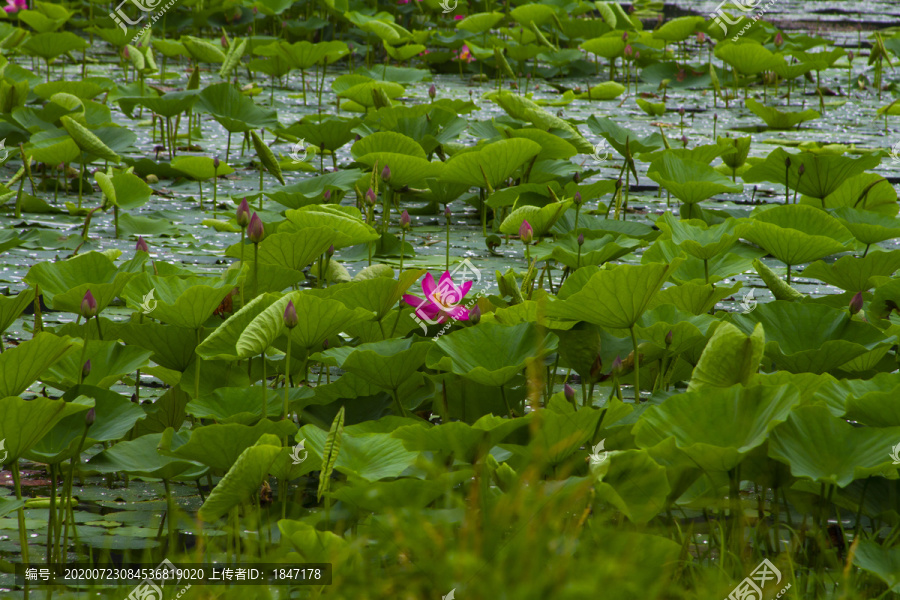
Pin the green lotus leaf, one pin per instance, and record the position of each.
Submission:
(598, 248)
(406, 170)
(52, 149)
(115, 415)
(855, 274)
(377, 294)
(182, 301)
(607, 46)
(605, 91)
(234, 111)
(885, 300)
(65, 283)
(678, 29)
(492, 164)
(796, 233)
(22, 364)
(693, 297)
(541, 219)
(233, 57)
(124, 190)
(789, 70)
(388, 363)
(634, 483)
(266, 157)
(881, 561)
(87, 141)
(532, 13)
(804, 337)
(85, 89)
(777, 119)
(370, 456)
(350, 230)
(312, 189)
(741, 147)
(400, 493)
(219, 446)
(616, 135)
(868, 192)
(867, 226)
(828, 450)
(202, 50)
(52, 44)
(688, 180)
(729, 357)
(23, 423)
(12, 307)
(490, 354)
(480, 22)
(823, 173)
(561, 431)
(109, 362)
(200, 168)
(295, 250)
(697, 238)
(243, 478)
(653, 109)
(615, 297)
(140, 457)
(231, 404)
(363, 93)
(687, 329)
(303, 55)
(172, 346)
(461, 440)
(522, 108)
(868, 401)
(749, 58)
(552, 147)
(387, 141)
(717, 427)
(312, 544)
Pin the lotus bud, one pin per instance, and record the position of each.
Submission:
(125, 52)
(802, 169)
(86, 369)
(151, 178)
(526, 233)
(370, 196)
(224, 41)
(256, 231)
(850, 56)
(617, 366)
(327, 195)
(619, 183)
(576, 177)
(255, 10)
(684, 140)
(290, 315)
(629, 52)
(404, 220)
(216, 163)
(475, 315)
(569, 391)
(637, 55)
(88, 305)
(325, 345)
(243, 214)
(577, 198)
(581, 239)
(596, 367)
(386, 174)
(669, 338)
(715, 116)
(856, 303)
(787, 162)
(90, 417)
(681, 112)
(701, 37)
(446, 211)
(330, 252)
(432, 91)
(141, 245)
(778, 39)
(624, 36)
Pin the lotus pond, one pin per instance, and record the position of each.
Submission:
(435, 299)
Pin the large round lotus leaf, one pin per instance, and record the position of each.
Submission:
(242, 479)
(872, 402)
(729, 357)
(406, 170)
(634, 483)
(461, 440)
(688, 180)
(717, 427)
(541, 219)
(12, 307)
(490, 354)
(379, 294)
(687, 329)
(748, 57)
(609, 47)
(492, 164)
(796, 233)
(697, 238)
(387, 141)
(234, 111)
(230, 405)
(867, 226)
(826, 449)
(388, 363)
(140, 457)
(678, 29)
(110, 361)
(65, 283)
(219, 445)
(868, 192)
(805, 337)
(23, 423)
(880, 560)
(777, 119)
(350, 229)
(371, 456)
(855, 274)
(22, 364)
(603, 299)
(598, 248)
(182, 301)
(400, 493)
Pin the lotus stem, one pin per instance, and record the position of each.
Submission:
(505, 401)
(197, 368)
(80, 365)
(255, 268)
(23, 534)
(243, 233)
(170, 515)
(228, 149)
(402, 246)
(265, 412)
(99, 333)
(447, 256)
(287, 372)
(706, 270)
(637, 366)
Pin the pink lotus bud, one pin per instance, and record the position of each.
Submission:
(432, 91)
(569, 391)
(86, 369)
(856, 303)
(475, 315)
(577, 198)
(141, 245)
(290, 315)
(404, 219)
(90, 417)
(256, 231)
(526, 233)
(386, 174)
(370, 196)
(581, 239)
(224, 42)
(617, 365)
(629, 51)
(669, 338)
(88, 305)
(778, 39)
(243, 214)
(216, 163)
(701, 37)
(447, 211)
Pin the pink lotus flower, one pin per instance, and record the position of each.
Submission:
(15, 5)
(459, 17)
(441, 300)
(464, 54)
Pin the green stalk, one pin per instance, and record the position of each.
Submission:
(255, 268)
(197, 368)
(447, 257)
(637, 366)
(287, 371)
(243, 233)
(83, 354)
(23, 535)
(402, 245)
(170, 515)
